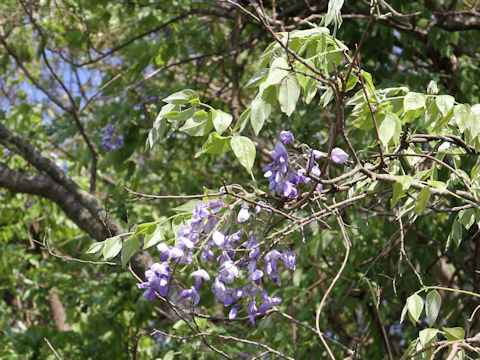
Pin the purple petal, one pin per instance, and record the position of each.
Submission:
(286, 137)
(339, 156)
(202, 274)
(289, 258)
(176, 253)
(243, 214)
(254, 276)
(149, 294)
(233, 312)
(218, 238)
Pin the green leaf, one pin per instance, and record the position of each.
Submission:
(199, 125)
(310, 90)
(157, 131)
(113, 245)
(415, 306)
(456, 233)
(244, 150)
(256, 79)
(432, 114)
(422, 200)
(398, 192)
(432, 306)
(170, 355)
(202, 323)
(333, 13)
(326, 97)
(95, 247)
(411, 348)
(289, 94)
(186, 208)
(454, 334)
(242, 120)
(467, 218)
(386, 130)
(445, 103)
(405, 181)
(215, 144)
(368, 79)
(180, 115)
(462, 115)
(427, 336)
(154, 238)
(432, 88)
(414, 101)
(183, 97)
(404, 312)
(221, 120)
(474, 121)
(352, 81)
(129, 247)
(278, 71)
(146, 228)
(439, 185)
(180, 324)
(260, 111)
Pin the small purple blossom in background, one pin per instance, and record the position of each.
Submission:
(286, 137)
(6, 152)
(109, 142)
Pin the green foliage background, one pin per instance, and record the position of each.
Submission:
(128, 56)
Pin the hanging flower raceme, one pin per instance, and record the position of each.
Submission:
(239, 264)
(282, 176)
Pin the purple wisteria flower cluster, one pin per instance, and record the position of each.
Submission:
(110, 142)
(238, 258)
(284, 173)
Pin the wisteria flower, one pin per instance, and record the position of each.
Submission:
(243, 214)
(289, 258)
(191, 293)
(286, 137)
(252, 310)
(199, 275)
(339, 156)
(157, 280)
(233, 312)
(169, 252)
(268, 302)
(218, 238)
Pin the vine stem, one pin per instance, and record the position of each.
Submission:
(435, 287)
(324, 298)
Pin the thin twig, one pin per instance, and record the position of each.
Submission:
(52, 348)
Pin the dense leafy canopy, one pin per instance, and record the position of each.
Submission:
(284, 179)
